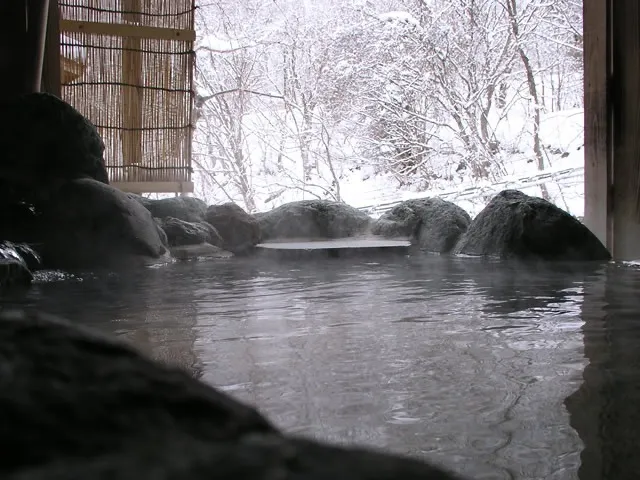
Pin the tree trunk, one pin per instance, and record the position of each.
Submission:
(533, 91)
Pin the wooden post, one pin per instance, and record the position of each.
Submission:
(625, 99)
(51, 74)
(598, 119)
(132, 93)
(37, 14)
(22, 45)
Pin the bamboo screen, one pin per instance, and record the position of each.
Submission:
(127, 65)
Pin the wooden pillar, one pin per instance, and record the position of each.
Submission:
(612, 124)
(625, 98)
(22, 45)
(51, 74)
(37, 14)
(597, 119)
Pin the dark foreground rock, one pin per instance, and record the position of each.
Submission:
(432, 224)
(515, 225)
(44, 140)
(313, 219)
(187, 209)
(75, 405)
(180, 232)
(240, 232)
(90, 224)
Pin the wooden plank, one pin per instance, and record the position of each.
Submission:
(625, 98)
(124, 30)
(154, 187)
(597, 119)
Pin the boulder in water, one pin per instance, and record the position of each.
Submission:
(313, 219)
(14, 269)
(23, 252)
(240, 232)
(90, 224)
(44, 140)
(515, 225)
(76, 405)
(180, 232)
(433, 224)
(187, 209)
(199, 251)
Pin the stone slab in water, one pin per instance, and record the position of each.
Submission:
(342, 248)
(336, 244)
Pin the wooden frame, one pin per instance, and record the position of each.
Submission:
(135, 83)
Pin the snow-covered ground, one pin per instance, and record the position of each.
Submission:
(563, 138)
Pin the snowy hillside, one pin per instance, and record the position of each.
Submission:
(376, 102)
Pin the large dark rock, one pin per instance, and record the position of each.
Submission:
(90, 224)
(433, 224)
(515, 225)
(312, 219)
(44, 140)
(180, 232)
(187, 209)
(239, 230)
(77, 406)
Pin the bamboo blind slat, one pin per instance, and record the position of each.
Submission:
(137, 91)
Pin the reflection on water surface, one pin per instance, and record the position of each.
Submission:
(497, 371)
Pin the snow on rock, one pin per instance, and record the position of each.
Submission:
(515, 225)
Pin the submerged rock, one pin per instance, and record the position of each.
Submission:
(91, 224)
(44, 140)
(180, 232)
(14, 269)
(433, 224)
(515, 225)
(240, 232)
(313, 219)
(201, 250)
(187, 209)
(77, 405)
(23, 252)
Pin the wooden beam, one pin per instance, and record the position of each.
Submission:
(154, 187)
(598, 119)
(123, 30)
